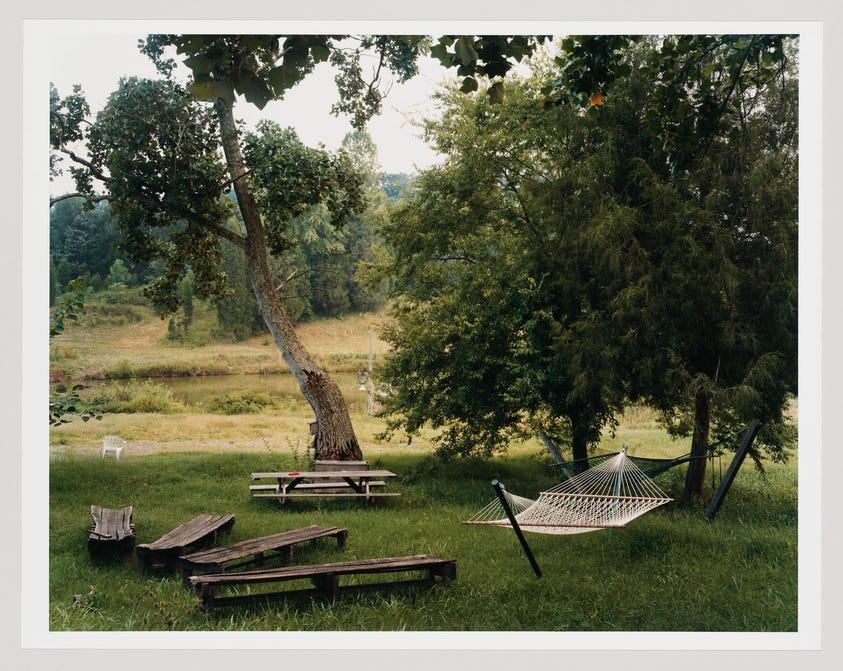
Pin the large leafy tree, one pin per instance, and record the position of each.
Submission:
(707, 128)
(566, 265)
(156, 150)
(505, 258)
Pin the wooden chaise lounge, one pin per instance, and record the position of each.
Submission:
(254, 550)
(112, 532)
(199, 532)
(325, 579)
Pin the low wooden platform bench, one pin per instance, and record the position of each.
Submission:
(324, 578)
(254, 550)
(112, 532)
(199, 532)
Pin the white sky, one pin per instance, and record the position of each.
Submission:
(96, 61)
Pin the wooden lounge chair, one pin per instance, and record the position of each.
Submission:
(199, 532)
(325, 580)
(112, 533)
(255, 550)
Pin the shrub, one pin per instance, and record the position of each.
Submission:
(123, 370)
(114, 311)
(145, 396)
(240, 403)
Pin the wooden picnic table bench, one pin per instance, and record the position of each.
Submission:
(289, 484)
(197, 533)
(324, 578)
(112, 532)
(358, 483)
(219, 559)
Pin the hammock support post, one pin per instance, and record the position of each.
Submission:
(752, 430)
(499, 491)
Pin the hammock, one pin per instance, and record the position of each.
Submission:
(651, 466)
(608, 495)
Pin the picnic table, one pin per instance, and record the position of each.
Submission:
(289, 484)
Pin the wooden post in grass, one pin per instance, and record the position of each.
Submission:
(499, 491)
(716, 501)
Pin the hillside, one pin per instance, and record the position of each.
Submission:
(117, 341)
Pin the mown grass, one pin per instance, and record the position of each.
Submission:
(671, 570)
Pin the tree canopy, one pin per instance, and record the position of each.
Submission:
(569, 258)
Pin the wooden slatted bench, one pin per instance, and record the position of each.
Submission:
(324, 578)
(254, 550)
(193, 535)
(272, 491)
(111, 533)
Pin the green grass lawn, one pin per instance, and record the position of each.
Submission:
(670, 570)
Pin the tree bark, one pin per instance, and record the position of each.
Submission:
(335, 438)
(695, 477)
(579, 442)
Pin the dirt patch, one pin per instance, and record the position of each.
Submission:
(140, 448)
(144, 447)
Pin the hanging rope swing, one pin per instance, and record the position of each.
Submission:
(606, 496)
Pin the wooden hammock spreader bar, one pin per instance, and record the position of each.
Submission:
(530, 525)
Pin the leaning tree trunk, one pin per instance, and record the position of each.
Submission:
(695, 477)
(335, 438)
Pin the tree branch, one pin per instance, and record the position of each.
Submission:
(204, 222)
(451, 258)
(81, 161)
(293, 276)
(68, 196)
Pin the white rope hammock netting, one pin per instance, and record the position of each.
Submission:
(609, 495)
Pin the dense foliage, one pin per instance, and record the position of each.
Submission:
(556, 267)
(87, 243)
(66, 402)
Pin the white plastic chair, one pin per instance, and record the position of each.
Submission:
(113, 444)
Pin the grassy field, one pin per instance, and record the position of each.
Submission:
(130, 340)
(671, 570)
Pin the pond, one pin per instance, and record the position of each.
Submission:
(197, 390)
